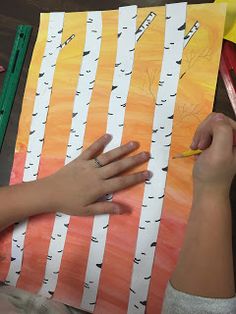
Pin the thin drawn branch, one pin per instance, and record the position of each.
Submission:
(151, 78)
(191, 59)
(149, 86)
(187, 111)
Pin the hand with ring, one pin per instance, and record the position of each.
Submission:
(78, 188)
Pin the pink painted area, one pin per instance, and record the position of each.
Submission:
(35, 253)
(120, 245)
(117, 266)
(38, 236)
(18, 167)
(73, 267)
(169, 242)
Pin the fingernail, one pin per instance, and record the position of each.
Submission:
(108, 137)
(133, 144)
(145, 155)
(202, 144)
(122, 210)
(148, 174)
(219, 117)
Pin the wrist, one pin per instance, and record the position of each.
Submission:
(20, 201)
(209, 200)
(43, 196)
(206, 190)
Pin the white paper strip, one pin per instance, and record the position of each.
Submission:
(140, 31)
(115, 122)
(82, 99)
(36, 136)
(190, 34)
(158, 164)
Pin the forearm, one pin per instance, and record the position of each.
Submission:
(205, 265)
(21, 201)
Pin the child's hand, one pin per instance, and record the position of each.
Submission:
(216, 166)
(77, 187)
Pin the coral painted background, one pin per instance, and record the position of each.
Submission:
(194, 102)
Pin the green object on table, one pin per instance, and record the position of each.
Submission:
(12, 76)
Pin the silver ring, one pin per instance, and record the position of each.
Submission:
(98, 164)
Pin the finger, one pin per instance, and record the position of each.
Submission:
(222, 142)
(205, 141)
(123, 182)
(100, 208)
(196, 139)
(96, 147)
(124, 164)
(203, 136)
(199, 131)
(118, 152)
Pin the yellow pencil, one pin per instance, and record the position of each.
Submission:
(188, 153)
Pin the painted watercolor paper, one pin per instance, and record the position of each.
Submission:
(146, 74)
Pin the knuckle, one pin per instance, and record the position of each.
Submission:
(131, 179)
(123, 148)
(88, 211)
(108, 187)
(140, 177)
(212, 115)
(218, 115)
(101, 188)
(137, 157)
(136, 160)
(119, 167)
(222, 127)
(121, 181)
(91, 150)
(104, 159)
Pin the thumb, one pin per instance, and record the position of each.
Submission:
(100, 208)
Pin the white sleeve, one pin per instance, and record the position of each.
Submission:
(177, 302)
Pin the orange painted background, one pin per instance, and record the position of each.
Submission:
(195, 98)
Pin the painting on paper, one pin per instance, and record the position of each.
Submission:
(143, 74)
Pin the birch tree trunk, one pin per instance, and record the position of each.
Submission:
(115, 123)
(142, 28)
(190, 34)
(36, 135)
(158, 164)
(86, 81)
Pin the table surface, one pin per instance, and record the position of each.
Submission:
(15, 12)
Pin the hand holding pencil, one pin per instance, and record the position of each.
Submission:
(216, 166)
(203, 135)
